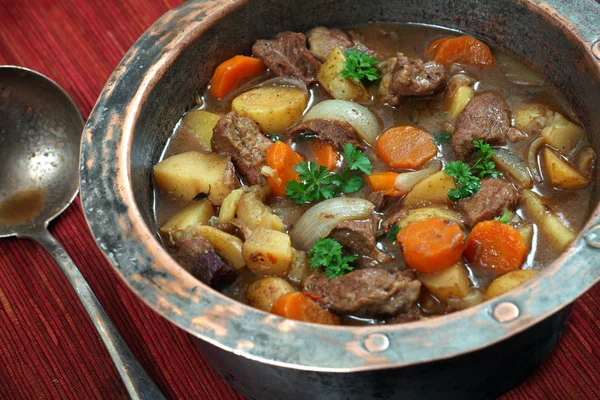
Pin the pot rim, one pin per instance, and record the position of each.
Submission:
(124, 238)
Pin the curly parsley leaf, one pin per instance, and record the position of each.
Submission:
(505, 218)
(318, 183)
(467, 184)
(327, 253)
(393, 232)
(359, 66)
(484, 163)
(315, 184)
(356, 160)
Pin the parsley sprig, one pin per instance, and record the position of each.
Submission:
(327, 253)
(318, 183)
(505, 218)
(393, 232)
(359, 66)
(484, 162)
(467, 184)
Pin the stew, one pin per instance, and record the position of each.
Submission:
(381, 174)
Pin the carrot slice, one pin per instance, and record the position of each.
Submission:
(406, 147)
(324, 154)
(462, 49)
(496, 247)
(283, 160)
(383, 182)
(299, 306)
(431, 246)
(233, 72)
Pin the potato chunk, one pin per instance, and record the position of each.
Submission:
(227, 246)
(229, 206)
(268, 252)
(531, 118)
(340, 88)
(198, 212)
(560, 173)
(254, 213)
(559, 236)
(451, 282)
(509, 281)
(431, 190)
(562, 134)
(458, 94)
(274, 108)
(187, 174)
(199, 124)
(265, 291)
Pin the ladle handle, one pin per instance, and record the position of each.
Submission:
(138, 383)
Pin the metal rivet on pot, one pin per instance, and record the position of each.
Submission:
(505, 312)
(596, 49)
(376, 342)
(592, 238)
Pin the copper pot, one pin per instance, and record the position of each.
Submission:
(480, 352)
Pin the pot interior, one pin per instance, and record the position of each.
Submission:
(544, 41)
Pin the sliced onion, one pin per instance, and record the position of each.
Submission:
(532, 160)
(519, 73)
(405, 181)
(319, 220)
(514, 166)
(363, 120)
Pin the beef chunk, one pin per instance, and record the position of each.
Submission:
(378, 199)
(494, 197)
(198, 257)
(486, 117)
(322, 41)
(402, 77)
(358, 237)
(337, 133)
(367, 292)
(240, 138)
(287, 210)
(287, 55)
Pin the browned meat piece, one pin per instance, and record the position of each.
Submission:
(358, 237)
(240, 138)
(370, 292)
(287, 210)
(337, 133)
(378, 200)
(287, 55)
(403, 77)
(322, 41)
(486, 117)
(494, 197)
(198, 257)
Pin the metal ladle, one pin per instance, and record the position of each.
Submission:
(40, 131)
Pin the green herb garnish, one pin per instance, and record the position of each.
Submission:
(359, 66)
(318, 183)
(467, 184)
(356, 160)
(393, 232)
(484, 162)
(327, 253)
(274, 138)
(442, 137)
(505, 218)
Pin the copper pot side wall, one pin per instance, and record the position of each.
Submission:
(155, 83)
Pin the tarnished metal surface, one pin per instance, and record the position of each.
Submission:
(156, 82)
